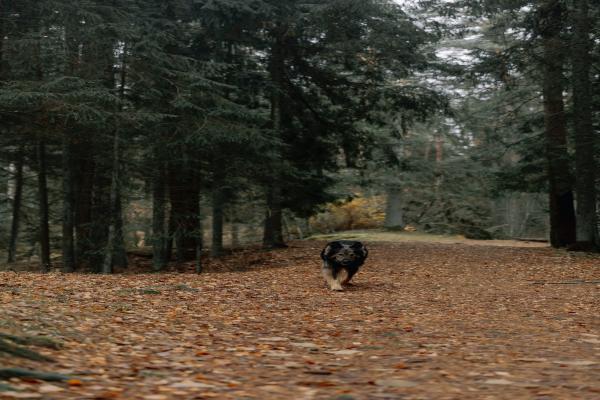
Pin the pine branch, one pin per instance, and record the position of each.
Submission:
(18, 351)
(32, 340)
(7, 373)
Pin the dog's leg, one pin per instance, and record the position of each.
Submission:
(332, 282)
(351, 272)
(342, 278)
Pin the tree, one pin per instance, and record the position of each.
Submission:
(321, 78)
(17, 197)
(585, 143)
(528, 30)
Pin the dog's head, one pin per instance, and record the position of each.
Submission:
(345, 252)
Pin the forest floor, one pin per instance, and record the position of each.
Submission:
(423, 320)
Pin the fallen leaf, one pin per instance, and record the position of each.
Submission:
(47, 388)
(498, 382)
(390, 382)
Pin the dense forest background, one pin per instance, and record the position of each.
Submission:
(187, 126)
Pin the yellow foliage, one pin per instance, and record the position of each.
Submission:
(359, 213)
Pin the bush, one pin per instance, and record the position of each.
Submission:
(358, 213)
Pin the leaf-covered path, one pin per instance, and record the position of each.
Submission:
(423, 321)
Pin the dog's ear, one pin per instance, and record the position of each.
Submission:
(361, 249)
(330, 250)
(325, 252)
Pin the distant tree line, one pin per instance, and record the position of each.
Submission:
(537, 109)
(268, 102)
(184, 99)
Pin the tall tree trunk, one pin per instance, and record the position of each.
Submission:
(16, 207)
(112, 242)
(393, 210)
(120, 251)
(83, 184)
(184, 195)
(217, 221)
(100, 213)
(585, 143)
(199, 244)
(44, 230)
(159, 203)
(273, 229)
(78, 167)
(562, 212)
(171, 231)
(3, 13)
(68, 243)
(115, 254)
(273, 225)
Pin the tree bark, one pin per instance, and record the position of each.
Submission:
(273, 225)
(109, 253)
(585, 143)
(16, 207)
(115, 253)
(3, 14)
(199, 265)
(159, 202)
(68, 242)
(184, 195)
(83, 193)
(120, 251)
(273, 228)
(44, 230)
(562, 212)
(217, 222)
(170, 239)
(100, 213)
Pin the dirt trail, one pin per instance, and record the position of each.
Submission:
(423, 321)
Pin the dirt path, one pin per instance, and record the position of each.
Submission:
(423, 321)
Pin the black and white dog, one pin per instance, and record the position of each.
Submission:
(341, 260)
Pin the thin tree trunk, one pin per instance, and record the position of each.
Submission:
(299, 230)
(273, 225)
(235, 234)
(562, 212)
(111, 244)
(217, 222)
(68, 243)
(115, 254)
(439, 157)
(273, 229)
(393, 211)
(585, 143)
(171, 231)
(83, 194)
(44, 230)
(3, 14)
(159, 202)
(199, 266)
(100, 215)
(120, 251)
(16, 208)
